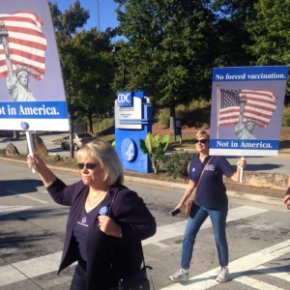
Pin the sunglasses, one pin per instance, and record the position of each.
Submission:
(90, 166)
(202, 141)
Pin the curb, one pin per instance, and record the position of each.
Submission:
(234, 194)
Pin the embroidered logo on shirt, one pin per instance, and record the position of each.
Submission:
(193, 169)
(83, 222)
(210, 167)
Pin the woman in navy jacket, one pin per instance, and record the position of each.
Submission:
(106, 222)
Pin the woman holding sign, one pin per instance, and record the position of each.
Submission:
(106, 223)
(210, 199)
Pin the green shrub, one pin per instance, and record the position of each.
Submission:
(155, 146)
(196, 113)
(164, 117)
(103, 123)
(176, 164)
(286, 117)
(58, 158)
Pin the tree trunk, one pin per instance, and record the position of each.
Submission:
(16, 135)
(172, 115)
(90, 119)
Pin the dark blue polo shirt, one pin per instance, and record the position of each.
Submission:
(211, 192)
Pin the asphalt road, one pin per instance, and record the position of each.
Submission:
(32, 231)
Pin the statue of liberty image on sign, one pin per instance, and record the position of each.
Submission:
(22, 54)
(245, 109)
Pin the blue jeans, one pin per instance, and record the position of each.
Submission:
(197, 217)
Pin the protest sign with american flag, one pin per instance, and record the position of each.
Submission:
(27, 43)
(259, 106)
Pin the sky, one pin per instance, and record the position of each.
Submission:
(108, 16)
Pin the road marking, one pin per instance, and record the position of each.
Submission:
(256, 284)
(49, 263)
(27, 196)
(238, 268)
(177, 229)
(275, 273)
(4, 210)
(29, 268)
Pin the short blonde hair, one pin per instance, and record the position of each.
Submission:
(106, 156)
(201, 134)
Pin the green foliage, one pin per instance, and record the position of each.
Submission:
(164, 117)
(196, 113)
(176, 164)
(155, 146)
(232, 36)
(102, 123)
(168, 52)
(86, 63)
(89, 80)
(286, 117)
(270, 33)
(67, 23)
(58, 158)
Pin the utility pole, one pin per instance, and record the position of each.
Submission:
(98, 16)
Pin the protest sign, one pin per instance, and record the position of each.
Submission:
(32, 93)
(246, 112)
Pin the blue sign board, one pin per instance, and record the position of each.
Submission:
(133, 121)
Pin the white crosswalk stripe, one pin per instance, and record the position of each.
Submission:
(238, 267)
(31, 268)
(177, 229)
(256, 284)
(5, 210)
(275, 273)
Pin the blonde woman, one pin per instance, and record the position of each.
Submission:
(106, 223)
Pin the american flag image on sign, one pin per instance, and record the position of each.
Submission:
(27, 43)
(258, 106)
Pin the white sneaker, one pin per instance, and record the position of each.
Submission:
(223, 275)
(180, 276)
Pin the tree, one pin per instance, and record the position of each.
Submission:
(67, 23)
(168, 52)
(232, 35)
(91, 77)
(270, 32)
(86, 63)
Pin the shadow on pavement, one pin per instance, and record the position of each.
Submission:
(12, 187)
(264, 166)
(55, 150)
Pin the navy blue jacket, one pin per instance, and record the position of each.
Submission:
(109, 258)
